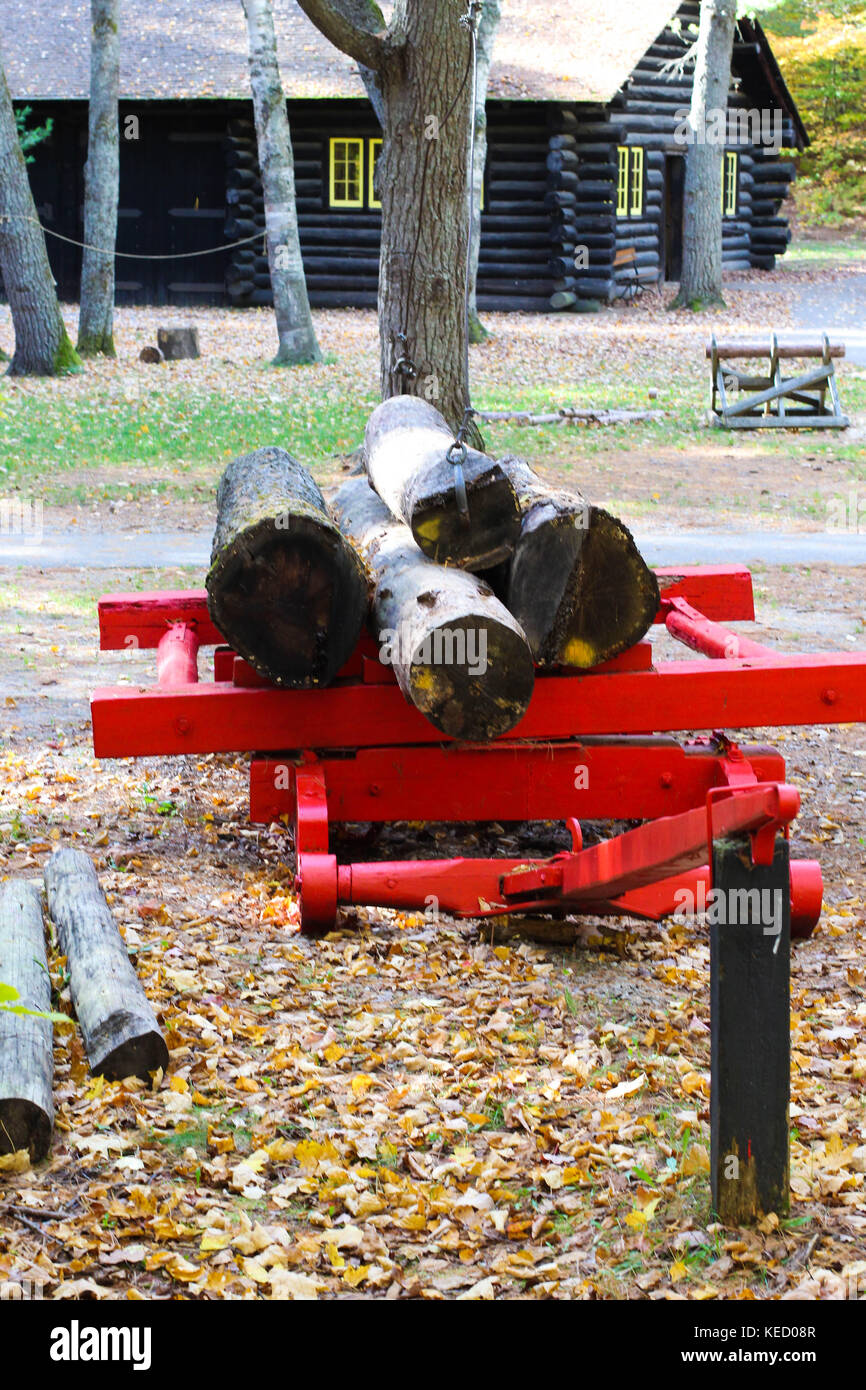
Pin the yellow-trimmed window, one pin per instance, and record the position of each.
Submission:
(622, 181)
(730, 180)
(347, 173)
(636, 182)
(629, 181)
(372, 159)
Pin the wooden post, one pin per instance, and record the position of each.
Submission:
(175, 344)
(26, 1043)
(750, 958)
(120, 1031)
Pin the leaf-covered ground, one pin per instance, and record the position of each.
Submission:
(407, 1108)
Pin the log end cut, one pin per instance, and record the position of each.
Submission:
(142, 1052)
(472, 677)
(24, 1125)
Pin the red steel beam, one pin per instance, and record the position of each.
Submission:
(623, 779)
(721, 592)
(828, 688)
(695, 630)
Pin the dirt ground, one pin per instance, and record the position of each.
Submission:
(407, 1108)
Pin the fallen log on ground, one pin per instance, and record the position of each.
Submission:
(570, 415)
(26, 1043)
(457, 653)
(285, 588)
(576, 583)
(119, 1027)
(406, 445)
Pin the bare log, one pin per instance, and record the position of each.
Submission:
(26, 1051)
(285, 588)
(119, 1027)
(458, 655)
(576, 583)
(175, 344)
(406, 444)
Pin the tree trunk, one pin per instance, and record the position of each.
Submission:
(284, 587)
(457, 653)
(119, 1028)
(101, 179)
(42, 346)
(701, 278)
(490, 16)
(406, 444)
(26, 1043)
(422, 63)
(576, 583)
(297, 337)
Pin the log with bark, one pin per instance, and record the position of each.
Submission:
(26, 1044)
(176, 344)
(406, 443)
(285, 587)
(577, 583)
(119, 1027)
(457, 653)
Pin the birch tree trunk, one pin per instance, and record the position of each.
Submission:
(101, 180)
(490, 16)
(422, 62)
(42, 346)
(701, 279)
(297, 337)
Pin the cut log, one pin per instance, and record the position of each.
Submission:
(175, 344)
(457, 653)
(576, 583)
(285, 588)
(26, 1044)
(406, 442)
(119, 1027)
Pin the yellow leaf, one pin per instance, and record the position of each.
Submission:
(258, 1160)
(355, 1275)
(697, 1160)
(178, 1083)
(679, 1271)
(214, 1240)
(181, 1269)
(244, 1083)
(361, 1084)
(309, 1154)
(333, 1053)
(17, 1162)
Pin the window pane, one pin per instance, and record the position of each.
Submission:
(622, 182)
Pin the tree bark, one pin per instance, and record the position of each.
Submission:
(119, 1028)
(406, 443)
(297, 337)
(458, 655)
(577, 583)
(101, 181)
(422, 63)
(26, 1043)
(284, 588)
(42, 346)
(701, 277)
(490, 16)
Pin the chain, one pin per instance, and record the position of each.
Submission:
(131, 255)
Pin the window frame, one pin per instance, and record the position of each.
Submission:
(730, 183)
(636, 182)
(630, 195)
(348, 140)
(622, 180)
(374, 149)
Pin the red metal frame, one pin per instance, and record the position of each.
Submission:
(589, 747)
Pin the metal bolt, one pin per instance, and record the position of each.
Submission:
(182, 725)
(375, 789)
(829, 696)
(666, 779)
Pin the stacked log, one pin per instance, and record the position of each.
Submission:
(457, 653)
(119, 1028)
(284, 587)
(576, 582)
(26, 1042)
(406, 446)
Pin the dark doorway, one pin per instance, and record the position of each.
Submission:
(675, 181)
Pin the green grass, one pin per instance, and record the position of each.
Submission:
(817, 254)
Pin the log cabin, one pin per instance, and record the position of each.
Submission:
(583, 191)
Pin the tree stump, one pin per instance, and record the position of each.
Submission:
(285, 587)
(176, 344)
(150, 355)
(26, 1043)
(457, 653)
(119, 1027)
(406, 444)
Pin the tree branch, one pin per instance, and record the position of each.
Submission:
(356, 27)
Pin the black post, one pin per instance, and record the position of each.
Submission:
(750, 957)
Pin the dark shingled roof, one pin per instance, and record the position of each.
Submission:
(566, 50)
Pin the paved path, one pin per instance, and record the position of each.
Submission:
(837, 308)
(170, 549)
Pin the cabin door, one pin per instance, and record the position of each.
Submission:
(675, 181)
